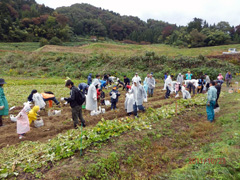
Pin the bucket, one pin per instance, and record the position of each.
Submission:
(83, 106)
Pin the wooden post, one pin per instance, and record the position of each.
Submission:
(176, 108)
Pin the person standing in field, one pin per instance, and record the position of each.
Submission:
(211, 101)
(218, 86)
(126, 82)
(76, 107)
(89, 80)
(220, 78)
(207, 81)
(91, 100)
(188, 76)
(3, 102)
(139, 95)
(228, 78)
(136, 78)
(151, 85)
(114, 97)
(169, 86)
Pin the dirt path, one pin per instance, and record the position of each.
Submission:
(55, 125)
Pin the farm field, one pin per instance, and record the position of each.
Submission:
(149, 147)
(157, 145)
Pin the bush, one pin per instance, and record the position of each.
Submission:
(55, 41)
(43, 42)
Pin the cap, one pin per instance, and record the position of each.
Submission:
(2, 81)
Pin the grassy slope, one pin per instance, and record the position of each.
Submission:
(125, 49)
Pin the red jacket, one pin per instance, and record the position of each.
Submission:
(98, 94)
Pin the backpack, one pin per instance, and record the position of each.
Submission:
(80, 98)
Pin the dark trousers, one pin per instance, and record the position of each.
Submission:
(217, 105)
(199, 90)
(1, 120)
(114, 105)
(167, 93)
(140, 107)
(191, 87)
(207, 86)
(53, 99)
(77, 114)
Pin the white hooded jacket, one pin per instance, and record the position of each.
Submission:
(139, 94)
(91, 99)
(129, 102)
(38, 100)
(169, 83)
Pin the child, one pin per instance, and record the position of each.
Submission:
(102, 97)
(38, 100)
(23, 121)
(114, 97)
(3, 102)
(129, 103)
(32, 115)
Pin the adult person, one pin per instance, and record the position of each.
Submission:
(211, 101)
(188, 75)
(103, 84)
(185, 93)
(165, 76)
(49, 96)
(151, 85)
(147, 77)
(126, 82)
(136, 78)
(228, 78)
(89, 80)
(91, 100)
(207, 81)
(76, 107)
(3, 102)
(180, 79)
(192, 85)
(139, 95)
(201, 83)
(220, 78)
(218, 86)
(83, 87)
(169, 86)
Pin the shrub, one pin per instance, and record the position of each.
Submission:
(43, 42)
(55, 41)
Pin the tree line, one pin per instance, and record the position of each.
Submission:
(25, 20)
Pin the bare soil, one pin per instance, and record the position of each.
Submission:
(58, 124)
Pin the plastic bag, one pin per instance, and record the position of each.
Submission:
(107, 103)
(38, 123)
(54, 113)
(204, 88)
(12, 118)
(103, 110)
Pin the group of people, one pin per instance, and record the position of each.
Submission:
(203, 84)
(136, 95)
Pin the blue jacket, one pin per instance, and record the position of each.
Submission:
(89, 79)
(212, 94)
(117, 93)
(83, 87)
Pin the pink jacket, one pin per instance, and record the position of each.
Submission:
(22, 122)
(220, 77)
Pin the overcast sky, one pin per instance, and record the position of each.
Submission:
(178, 12)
